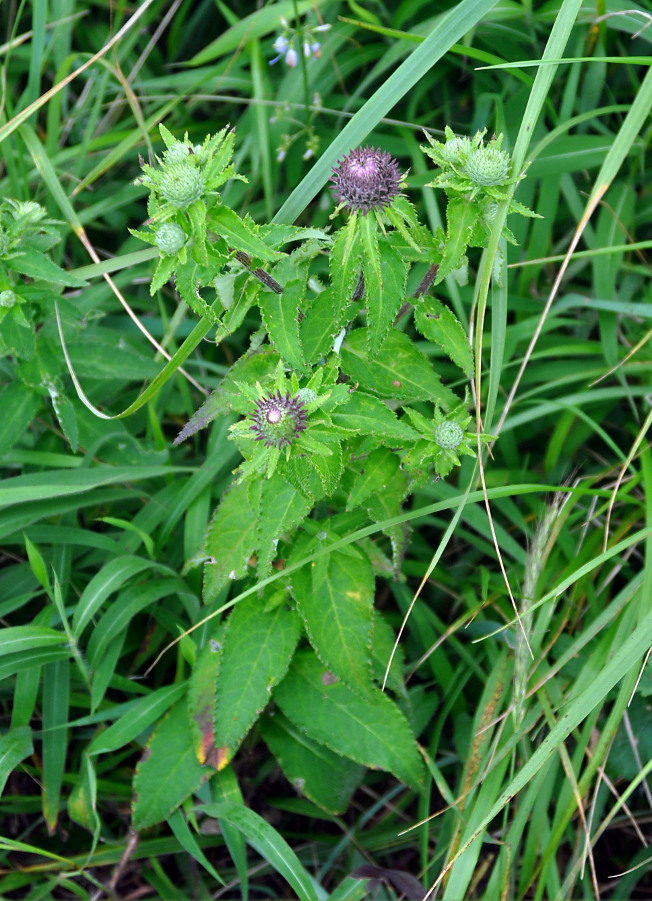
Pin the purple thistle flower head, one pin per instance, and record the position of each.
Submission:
(366, 179)
(278, 420)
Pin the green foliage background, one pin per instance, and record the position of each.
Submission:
(535, 762)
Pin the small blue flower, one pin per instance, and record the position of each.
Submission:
(291, 58)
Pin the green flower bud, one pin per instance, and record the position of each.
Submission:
(487, 165)
(178, 153)
(181, 184)
(170, 238)
(307, 395)
(8, 299)
(455, 150)
(449, 435)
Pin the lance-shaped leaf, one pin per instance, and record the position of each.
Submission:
(373, 280)
(168, 771)
(201, 697)
(255, 655)
(386, 504)
(371, 416)
(282, 506)
(320, 326)
(369, 728)
(399, 370)
(239, 234)
(437, 323)
(313, 769)
(15, 746)
(373, 475)
(336, 603)
(462, 215)
(232, 537)
(344, 265)
(36, 265)
(382, 309)
(280, 314)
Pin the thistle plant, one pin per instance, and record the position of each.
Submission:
(339, 414)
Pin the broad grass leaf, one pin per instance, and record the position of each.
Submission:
(56, 699)
(371, 416)
(282, 506)
(438, 323)
(313, 769)
(369, 728)
(382, 309)
(280, 314)
(19, 639)
(15, 745)
(93, 359)
(398, 371)
(382, 647)
(168, 771)
(337, 609)
(269, 844)
(232, 537)
(179, 825)
(256, 652)
(19, 406)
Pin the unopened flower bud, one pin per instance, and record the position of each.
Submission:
(170, 238)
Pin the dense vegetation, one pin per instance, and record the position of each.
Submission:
(327, 534)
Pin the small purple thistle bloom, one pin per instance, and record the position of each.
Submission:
(278, 420)
(366, 179)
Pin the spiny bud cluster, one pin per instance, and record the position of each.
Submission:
(469, 163)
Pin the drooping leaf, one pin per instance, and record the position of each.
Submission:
(282, 506)
(168, 771)
(269, 844)
(179, 825)
(369, 728)
(337, 608)
(438, 323)
(313, 769)
(399, 370)
(256, 651)
(370, 416)
(382, 311)
(15, 745)
(232, 537)
(280, 314)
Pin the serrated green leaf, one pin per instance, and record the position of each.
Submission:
(438, 323)
(67, 418)
(168, 771)
(269, 844)
(15, 746)
(231, 538)
(37, 265)
(373, 474)
(337, 610)
(187, 278)
(386, 504)
(371, 416)
(282, 506)
(255, 366)
(399, 370)
(201, 697)
(280, 314)
(163, 273)
(382, 310)
(344, 265)
(330, 467)
(238, 234)
(318, 328)
(462, 214)
(313, 769)
(369, 728)
(256, 651)
(19, 406)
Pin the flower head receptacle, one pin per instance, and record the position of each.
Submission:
(278, 419)
(366, 179)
